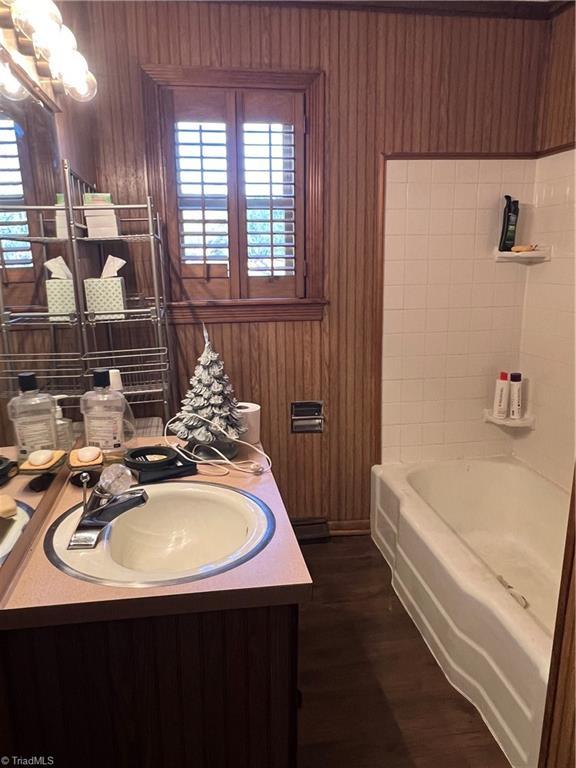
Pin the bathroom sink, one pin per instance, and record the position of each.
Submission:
(185, 531)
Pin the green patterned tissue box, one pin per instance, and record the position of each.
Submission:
(60, 299)
(106, 297)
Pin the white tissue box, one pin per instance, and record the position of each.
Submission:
(107, 295)
(60, 298)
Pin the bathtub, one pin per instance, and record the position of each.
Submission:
(475, 548)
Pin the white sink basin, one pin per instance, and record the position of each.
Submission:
(185, 531)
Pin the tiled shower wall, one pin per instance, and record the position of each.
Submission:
(547, 343)
(452, 316)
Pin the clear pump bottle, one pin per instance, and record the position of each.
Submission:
(104, 412)
(33, 414)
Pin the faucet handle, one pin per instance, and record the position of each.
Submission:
(114, 480)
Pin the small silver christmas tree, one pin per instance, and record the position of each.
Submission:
(211, 397)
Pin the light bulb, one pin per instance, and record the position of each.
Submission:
(46, 40)
(67, 38)
(53, 40)
(31, 16)
(83, 91)
(10, 86)
(68, 64)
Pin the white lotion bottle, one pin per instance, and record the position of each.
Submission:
(501, 396)
(515, 395)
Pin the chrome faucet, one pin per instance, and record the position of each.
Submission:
(109, 499)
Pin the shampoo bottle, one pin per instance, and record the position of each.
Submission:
(509, 224)
(33, 414)
(515, 395)
(501, 396)
(103, 410)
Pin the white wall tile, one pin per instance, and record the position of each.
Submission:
(414, 296)
(419, 170)
(417, 221)
(439, 272)
(463, 222)
(416, 272)
(440, 246)
(396, 170)
(394, 246)
(547, 339)
(393, 273)
(395, 196)
(466, 171)
(465, 196)
(440, 221)
(442, 195)
(453, 317)
(490, 170)
(443, 170)
(393, 297)
(418, 195)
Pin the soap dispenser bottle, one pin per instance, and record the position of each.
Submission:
(103, 410)
(64, 431)
(33, 414)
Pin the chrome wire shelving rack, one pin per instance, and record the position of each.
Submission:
(64, 349)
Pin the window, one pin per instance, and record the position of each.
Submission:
(236, 159)
(14, 253)
(237, 156)
(202, 182)
(269, 176)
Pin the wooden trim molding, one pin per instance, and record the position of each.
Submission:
(246, 311)
(512, 9)
(173, 75)
(557, 747)
(349, 527)
(480, 155)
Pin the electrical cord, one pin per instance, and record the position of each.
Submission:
(246, 466)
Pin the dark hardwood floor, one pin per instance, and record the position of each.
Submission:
(373, 696)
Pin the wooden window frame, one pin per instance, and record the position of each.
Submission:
(157, 80)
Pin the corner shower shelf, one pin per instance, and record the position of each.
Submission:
(542, 253)
(526, 422)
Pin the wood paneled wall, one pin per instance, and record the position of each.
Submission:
(557, 102)
(395, 83)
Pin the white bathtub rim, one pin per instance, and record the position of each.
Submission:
(457, 558)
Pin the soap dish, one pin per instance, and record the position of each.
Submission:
(37, 469)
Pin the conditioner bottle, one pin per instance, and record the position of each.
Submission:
(515, 395)
(501, 396)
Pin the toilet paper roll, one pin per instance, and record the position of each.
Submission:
(250, 417)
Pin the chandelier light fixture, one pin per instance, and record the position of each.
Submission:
(41, 22)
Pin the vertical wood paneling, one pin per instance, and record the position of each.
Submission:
(209, 690)
(557, 117)
(394, 83)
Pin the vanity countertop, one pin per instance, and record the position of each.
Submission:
(40, 594)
